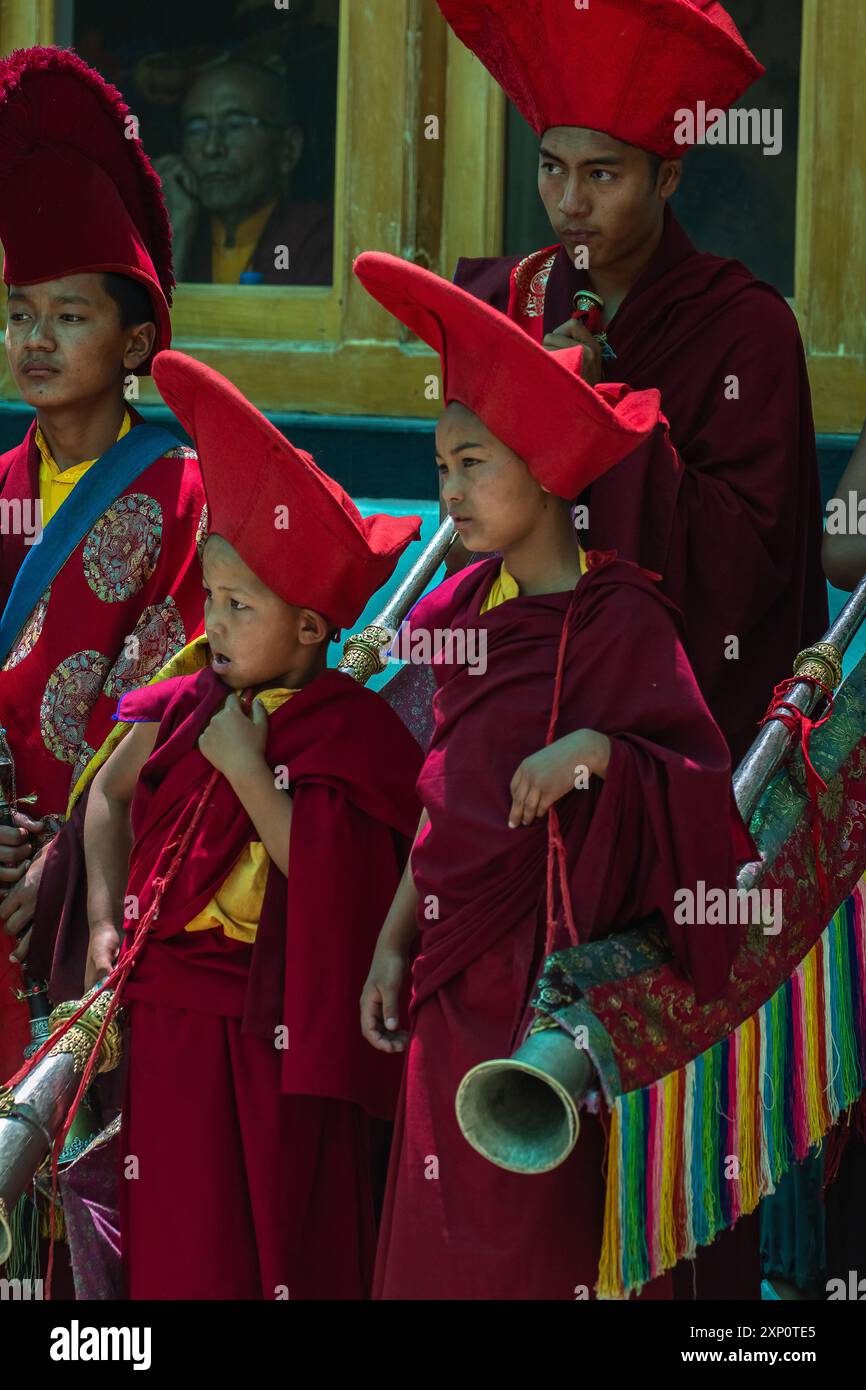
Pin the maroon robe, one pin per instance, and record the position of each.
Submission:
(253, 1177)
(455, 1226)
(136, 573)
(306, 229)
(734, 526)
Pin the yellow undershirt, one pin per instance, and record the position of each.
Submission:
(505, 586)
(236, 906)
(55, 484)
(229, 262)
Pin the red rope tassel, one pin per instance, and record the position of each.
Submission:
(555, 845)
(795, 719)
(116, 980)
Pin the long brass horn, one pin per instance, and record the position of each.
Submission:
(521, 1112)
(33, 1113)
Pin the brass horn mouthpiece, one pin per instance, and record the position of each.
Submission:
(521, 1112)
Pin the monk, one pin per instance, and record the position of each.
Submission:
(98, 571)
(733, 521)
(586, 725)
(245, 1065)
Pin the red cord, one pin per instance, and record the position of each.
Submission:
(115, 981)
(555, 845)
(795, 719)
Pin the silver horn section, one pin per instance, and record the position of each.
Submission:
(33, 1113)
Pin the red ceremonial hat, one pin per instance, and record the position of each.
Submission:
(567, 432)
(623, 67)
(292, 524)
(77, 191)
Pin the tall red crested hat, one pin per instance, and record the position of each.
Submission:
(296, 528)
(623, 67)
(77, 191)
(536, 402)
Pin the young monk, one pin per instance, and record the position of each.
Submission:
(249, 1091)
(100, 512)
(586, 686)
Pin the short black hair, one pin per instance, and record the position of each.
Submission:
(133, 301)
(655, 163)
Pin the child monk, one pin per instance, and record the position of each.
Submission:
(110, 591)
(586, 724)
(246, 1120)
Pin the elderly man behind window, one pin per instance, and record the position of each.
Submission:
(229, 189)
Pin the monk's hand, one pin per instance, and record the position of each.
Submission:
(235, 742)
(571, 334)
(564, 766)
(380, 999)
(18, 907)
(16, 847)
(102, 953)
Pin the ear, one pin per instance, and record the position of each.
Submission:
(672, 172)
(140, 345)
(312, 627)
(293, 148)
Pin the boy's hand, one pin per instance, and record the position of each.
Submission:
(102, 954)
(16, 846)
(234, 743)
(18, 907)
(380, 1001)
(546, 776)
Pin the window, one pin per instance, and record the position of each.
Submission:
(236, 103)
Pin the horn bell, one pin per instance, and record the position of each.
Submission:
(521, 1112)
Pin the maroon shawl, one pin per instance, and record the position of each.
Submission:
(352, 770)
(663, 819)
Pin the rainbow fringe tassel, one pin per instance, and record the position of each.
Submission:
(698, 1149)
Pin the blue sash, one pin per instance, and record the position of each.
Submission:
(101, 485)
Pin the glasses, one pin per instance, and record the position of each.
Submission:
(233, 127)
